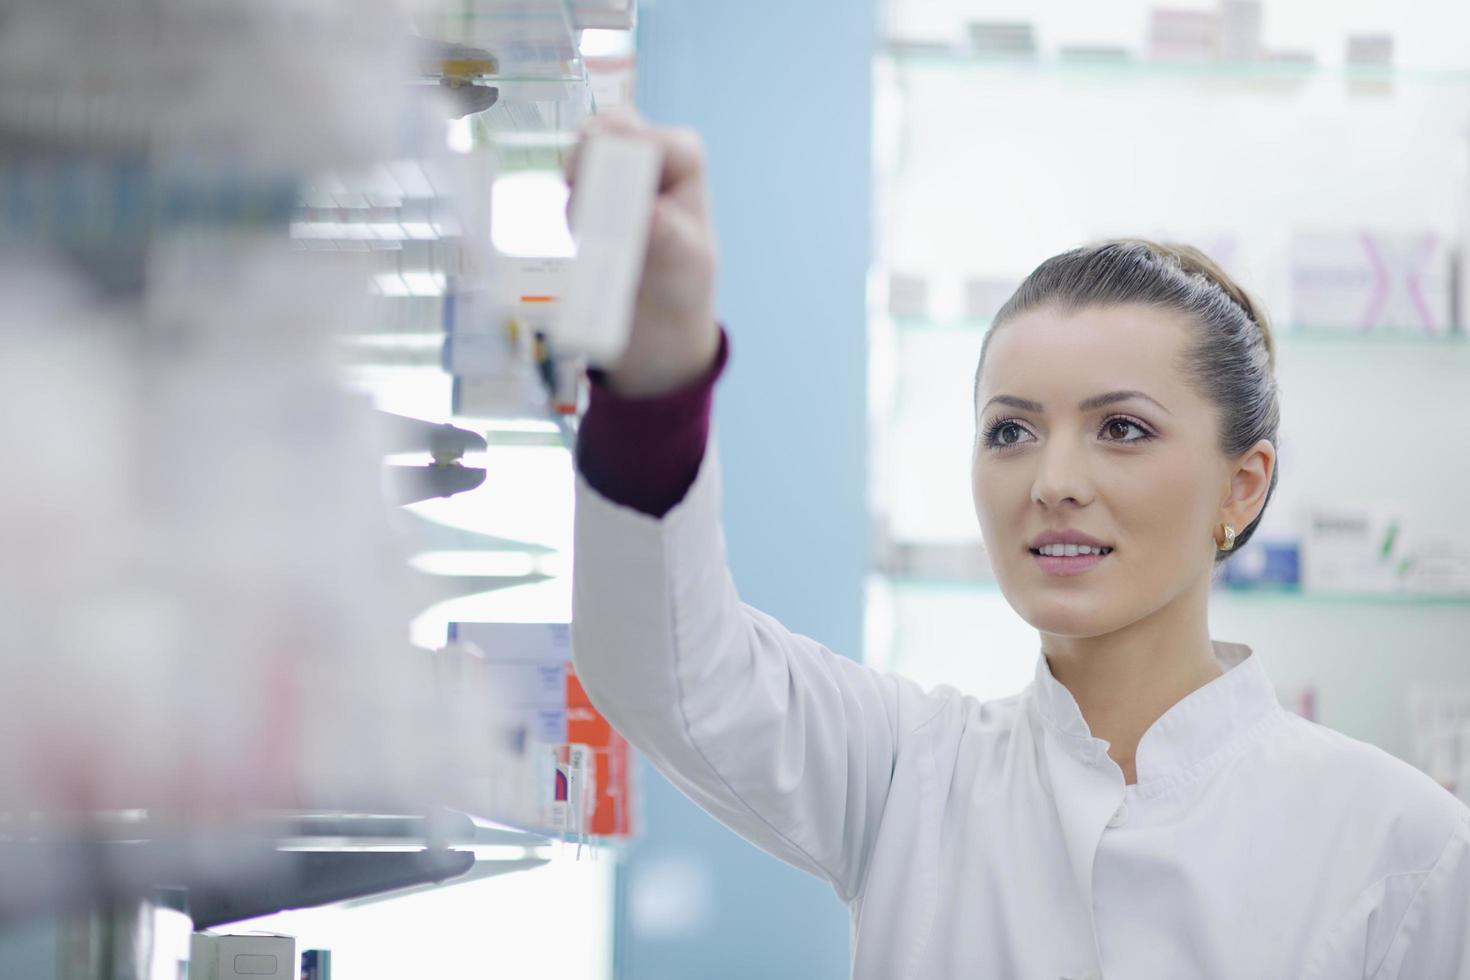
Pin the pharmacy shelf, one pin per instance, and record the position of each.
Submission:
(544, 90)
(1283, 334)
(1125, 65)
(271, 863)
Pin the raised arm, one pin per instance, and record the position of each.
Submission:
(789, 744)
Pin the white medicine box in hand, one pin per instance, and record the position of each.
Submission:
(611, 211)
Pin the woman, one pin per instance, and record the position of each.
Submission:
(1145, 808)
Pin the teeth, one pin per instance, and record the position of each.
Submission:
(1071, 550)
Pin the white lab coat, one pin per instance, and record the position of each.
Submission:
(998, 839)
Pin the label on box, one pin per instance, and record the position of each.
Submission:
(517, 642)
(1350, 550)
(1370, 282)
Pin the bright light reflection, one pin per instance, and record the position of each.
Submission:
(528, 216)
(503, 563)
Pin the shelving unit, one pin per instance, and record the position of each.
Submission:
(988, 164)
(1129, 66)
(399, 197)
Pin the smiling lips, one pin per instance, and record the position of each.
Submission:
(1066, 551)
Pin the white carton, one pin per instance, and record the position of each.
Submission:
(612, 209)
(252, 957)
(1371, 282)
(1350, 549)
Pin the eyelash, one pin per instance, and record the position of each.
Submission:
(995, 427)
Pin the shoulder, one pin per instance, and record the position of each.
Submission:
(958, 729)
(1370, 794)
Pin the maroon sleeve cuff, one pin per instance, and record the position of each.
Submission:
(645, 452)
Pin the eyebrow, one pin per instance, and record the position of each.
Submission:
(1087, 405)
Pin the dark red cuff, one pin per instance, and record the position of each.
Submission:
(645, 452)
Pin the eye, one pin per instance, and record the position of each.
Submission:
(1122, 423)
(997, 434)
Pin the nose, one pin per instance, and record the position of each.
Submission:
(1061, 475)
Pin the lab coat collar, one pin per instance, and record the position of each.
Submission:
(1193, 731)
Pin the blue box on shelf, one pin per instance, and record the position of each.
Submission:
(1264, 564)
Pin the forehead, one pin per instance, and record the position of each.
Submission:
(1086, 351)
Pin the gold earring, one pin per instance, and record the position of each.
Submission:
(1229, 538)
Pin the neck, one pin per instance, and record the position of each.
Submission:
(1125, 680)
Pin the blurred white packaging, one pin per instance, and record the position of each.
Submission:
(488, 753)
(985, 295)
(1350, 548)
(1002, 39)
(1370, 50)
(1435, 564)
(269, 86)
(1240, 30)
(1372, 282)
(257, 956)
(1440, 720)
(611, 213)
(203, 609)
(527, 665)
(908, 295)
(1179, 34)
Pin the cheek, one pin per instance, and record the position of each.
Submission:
(1164, 499)
(1000, 493)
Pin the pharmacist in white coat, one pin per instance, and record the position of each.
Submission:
(1144, 808)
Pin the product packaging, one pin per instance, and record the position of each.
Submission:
(1177, 34)
(1435, 564)
(582, 766)
(617, 182)
(316, 964)
(1240, 30)
(908, 296)
(1370, 50)
(1351, 549)
(248, 957)
(985, 295)
(1369, 282)
(1003, 39)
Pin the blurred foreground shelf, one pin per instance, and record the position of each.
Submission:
(275, 863)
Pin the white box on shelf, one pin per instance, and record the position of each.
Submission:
(908, 295)
(517, 642)
(527, 663)
(1177, 34)
(1435, 564)
(1370, 50)
(1372, 282)
(1350, 548)
(1012, 39)
(1240, 30)
(985, 295)
(252, 957)
(532, 288)
(530, 685)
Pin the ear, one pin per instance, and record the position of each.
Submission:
(1250, 479)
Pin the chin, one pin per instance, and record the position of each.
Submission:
(1059, 614)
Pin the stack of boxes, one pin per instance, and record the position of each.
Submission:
(583, 767)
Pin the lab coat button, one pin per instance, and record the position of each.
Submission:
(1119, 816)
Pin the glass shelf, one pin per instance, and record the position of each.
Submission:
(1282, 333)
(1123, 66)
(1286, 595)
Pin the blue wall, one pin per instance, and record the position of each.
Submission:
(781, 94)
